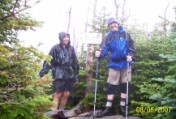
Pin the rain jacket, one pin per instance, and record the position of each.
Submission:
(63, 60)
(119, 44)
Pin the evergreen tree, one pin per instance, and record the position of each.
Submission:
(154, 77)
(21, 94)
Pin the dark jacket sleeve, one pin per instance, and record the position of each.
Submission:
(46, 65)
(75, 65)
(104, 47)
(132, 47)
(45, 69)
(104, 42)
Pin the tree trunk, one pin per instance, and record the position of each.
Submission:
(69, 19)
(89, 59)
(117, 9)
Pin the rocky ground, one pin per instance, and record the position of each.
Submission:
(87, 115)
(107, 117)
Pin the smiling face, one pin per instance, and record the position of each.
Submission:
(113, 26)
(66, 39)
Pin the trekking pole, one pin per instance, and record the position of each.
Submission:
(126, 114)
(96, 84)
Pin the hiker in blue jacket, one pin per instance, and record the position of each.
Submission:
(121, 49)
(63, 59)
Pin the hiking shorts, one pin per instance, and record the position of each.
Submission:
(115, 77)
(62, 85)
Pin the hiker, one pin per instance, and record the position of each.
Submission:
(63, 59)
(119, 44)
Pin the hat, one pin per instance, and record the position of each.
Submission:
(111, 19)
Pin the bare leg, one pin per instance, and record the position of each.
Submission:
(65, 96)
(57, 96)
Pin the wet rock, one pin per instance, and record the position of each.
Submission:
(70, 114)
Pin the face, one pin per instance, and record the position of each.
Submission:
(66, 39)
(113, 26)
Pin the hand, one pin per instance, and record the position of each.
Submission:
(75, 82)
(42, 79)
(97, 53)
(129, 58)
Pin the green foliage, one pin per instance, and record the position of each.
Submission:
(21, 93)
(22, 96)
(87, 99)
(80, 90)
(13, 19)
(154, 77)
(99, 22)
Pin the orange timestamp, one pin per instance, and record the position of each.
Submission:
(148, 109)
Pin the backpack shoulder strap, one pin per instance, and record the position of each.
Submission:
(124, 35)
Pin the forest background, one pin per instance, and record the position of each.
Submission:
(23, 96)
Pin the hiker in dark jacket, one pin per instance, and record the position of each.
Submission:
(63, 59)
(120, 46)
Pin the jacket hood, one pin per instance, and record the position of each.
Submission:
(61, 37)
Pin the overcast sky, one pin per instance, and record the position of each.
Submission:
(54, 14)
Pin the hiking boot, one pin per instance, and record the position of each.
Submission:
(106, 112)
(123, 110)
(59, 115)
